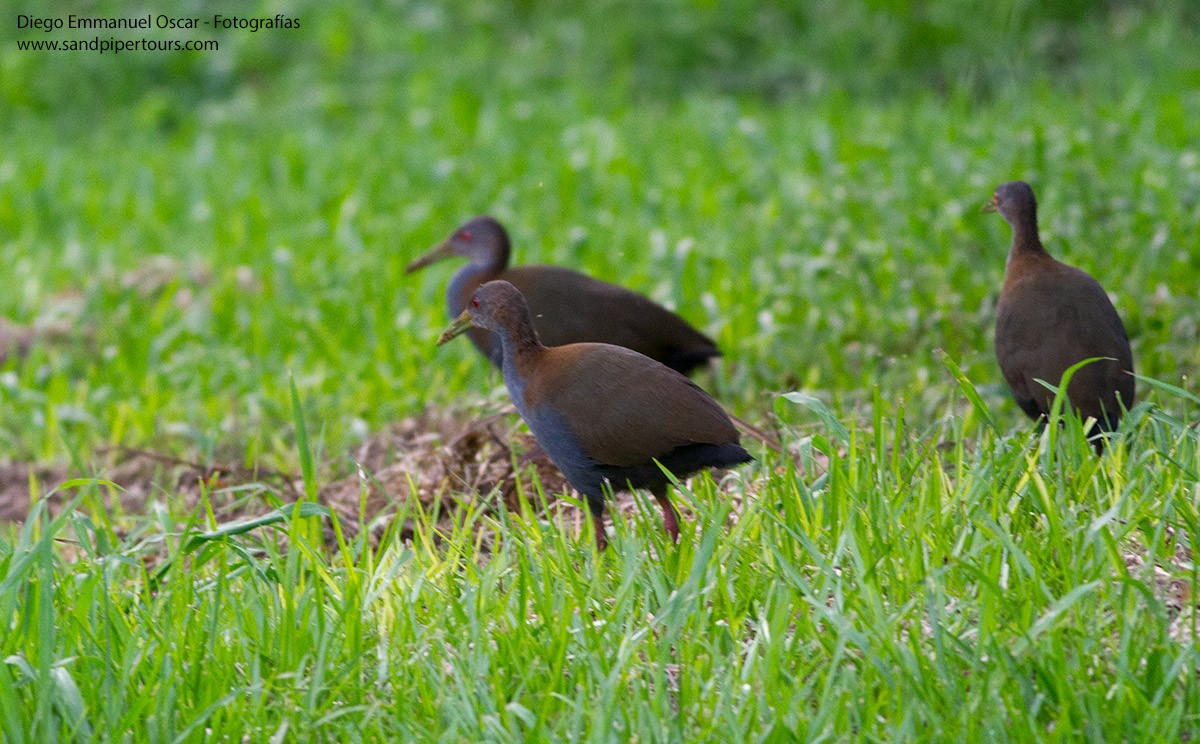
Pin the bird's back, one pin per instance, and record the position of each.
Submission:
(1051, 316)
(569, 307)
(622, 407)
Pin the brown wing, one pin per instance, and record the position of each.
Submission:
(624, 408)
(1051, 319)
(569, 307)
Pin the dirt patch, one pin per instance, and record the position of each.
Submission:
(58, 323)
(158, 272)
(439, 458)
(443, 460)
(61, 319)
(142, 477)
(15, 339)
(15, 487)
(1169, 579)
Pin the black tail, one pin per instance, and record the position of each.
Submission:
(684, 361)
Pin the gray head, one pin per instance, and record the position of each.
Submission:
(1015, 202)
(483, 240)
(496, 306)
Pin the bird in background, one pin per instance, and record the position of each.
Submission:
(606, 415)
(1051, 316)
(567, 307)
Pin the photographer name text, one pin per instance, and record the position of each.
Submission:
(160, 21)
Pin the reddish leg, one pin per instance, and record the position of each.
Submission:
(601, 538)
(670, 520)
(597, 510)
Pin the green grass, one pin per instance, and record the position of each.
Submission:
(804, 185)
(898, 590)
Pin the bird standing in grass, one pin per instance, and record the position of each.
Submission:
(603, 413)
(1051, 316)
(567, 306)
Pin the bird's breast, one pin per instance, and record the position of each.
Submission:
(554, 434)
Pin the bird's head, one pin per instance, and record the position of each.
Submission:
(1014, 201)
(482, 240)
(494, 306)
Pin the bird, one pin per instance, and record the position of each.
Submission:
(1049, 317)
(604, 414)
(567, 306)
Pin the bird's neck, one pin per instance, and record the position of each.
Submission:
(1026, 241)
(1026, 255)
(466, 281)
(520, 345)
(520, 352)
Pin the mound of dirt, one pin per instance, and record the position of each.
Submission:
(142, 476)
(443, 460)
(439, 458)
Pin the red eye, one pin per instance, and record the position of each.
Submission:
(474, 302)
(464, 234)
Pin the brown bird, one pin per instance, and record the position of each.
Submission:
(603, 413)
(1051, 316)
(568, 307)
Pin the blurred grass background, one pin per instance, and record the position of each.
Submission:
(801, 180)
